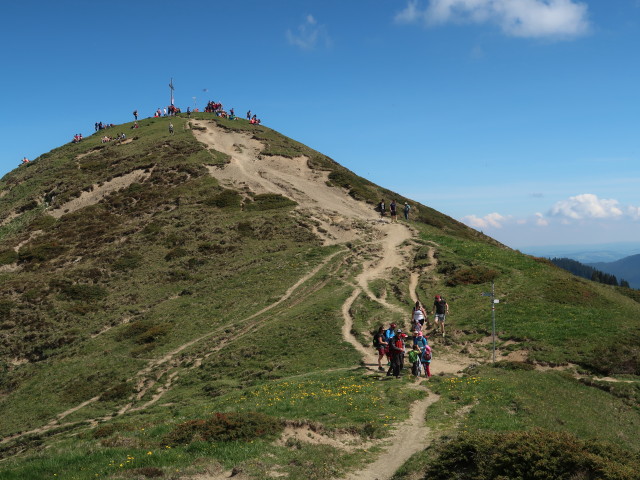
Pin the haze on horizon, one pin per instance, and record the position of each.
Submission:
(517, 118)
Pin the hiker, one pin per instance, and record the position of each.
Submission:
(393, 211)
(25, 160)
(380, 344)
(188, 112)
(421, 340)
(425, 359)
(414, 358)
(135, 125)
(170, 128)
(249, 115)
(381, 209)
(406, 209)
(135, 114)
(396, 351)
(419, 314)
(389, 333)
(440, 311)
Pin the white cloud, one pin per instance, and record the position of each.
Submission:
(518, 18)
(633, 212)
(492, 220)
(540, 220)
(309, 34)
(586, 206)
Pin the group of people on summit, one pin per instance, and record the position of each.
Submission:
(392, 342)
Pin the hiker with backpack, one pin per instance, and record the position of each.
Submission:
(406, 210)
(396, 351)
(440, 311)
(389, 333)
(381, 345)
(393, 211)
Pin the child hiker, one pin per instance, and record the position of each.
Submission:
(414, 358)
(425, 359)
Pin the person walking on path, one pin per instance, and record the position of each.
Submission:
(425, 359)
(380, 343)
(382, 209)
(170, 128)
(135, 114)
(419, 314)
(440, 311)
(393, 211)
(406, 209)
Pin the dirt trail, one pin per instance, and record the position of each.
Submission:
(339, 216)
(409, 437)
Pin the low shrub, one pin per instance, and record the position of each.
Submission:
(225, 427)
(143, 331)
(225, 199)
(128, 261)
(40, 252)
(538, 454)
(269, 201)
(85, 293)
(176, 253)
(8, 257)
(472, 276)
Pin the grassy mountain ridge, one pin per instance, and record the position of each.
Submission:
(170, 298)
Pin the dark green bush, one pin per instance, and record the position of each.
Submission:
(128, 261)
(176, 253)
(85, 293)
(537, 454)
(117, 392)
(269, 201)
(40, 252)
(225, 427)
(5, 308)
(144, 331)
(472, 276)
(8, 257)
(225, 199)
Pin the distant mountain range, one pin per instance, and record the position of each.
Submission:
(587, 254)
(627, 268)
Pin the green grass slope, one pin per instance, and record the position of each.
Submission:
(134, 330)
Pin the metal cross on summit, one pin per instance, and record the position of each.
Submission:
(171, 88)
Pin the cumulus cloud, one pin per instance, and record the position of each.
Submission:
(309, 34)
(494, 220)
(633, 212)
(586, 206)
(517, 18)
(540, 220)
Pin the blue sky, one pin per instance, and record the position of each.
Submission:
(519, 117)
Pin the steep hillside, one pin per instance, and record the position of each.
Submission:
(181, 306)
(627, 268)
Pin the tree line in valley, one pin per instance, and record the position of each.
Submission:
(588, 272)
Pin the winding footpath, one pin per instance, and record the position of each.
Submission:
(412, 435)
